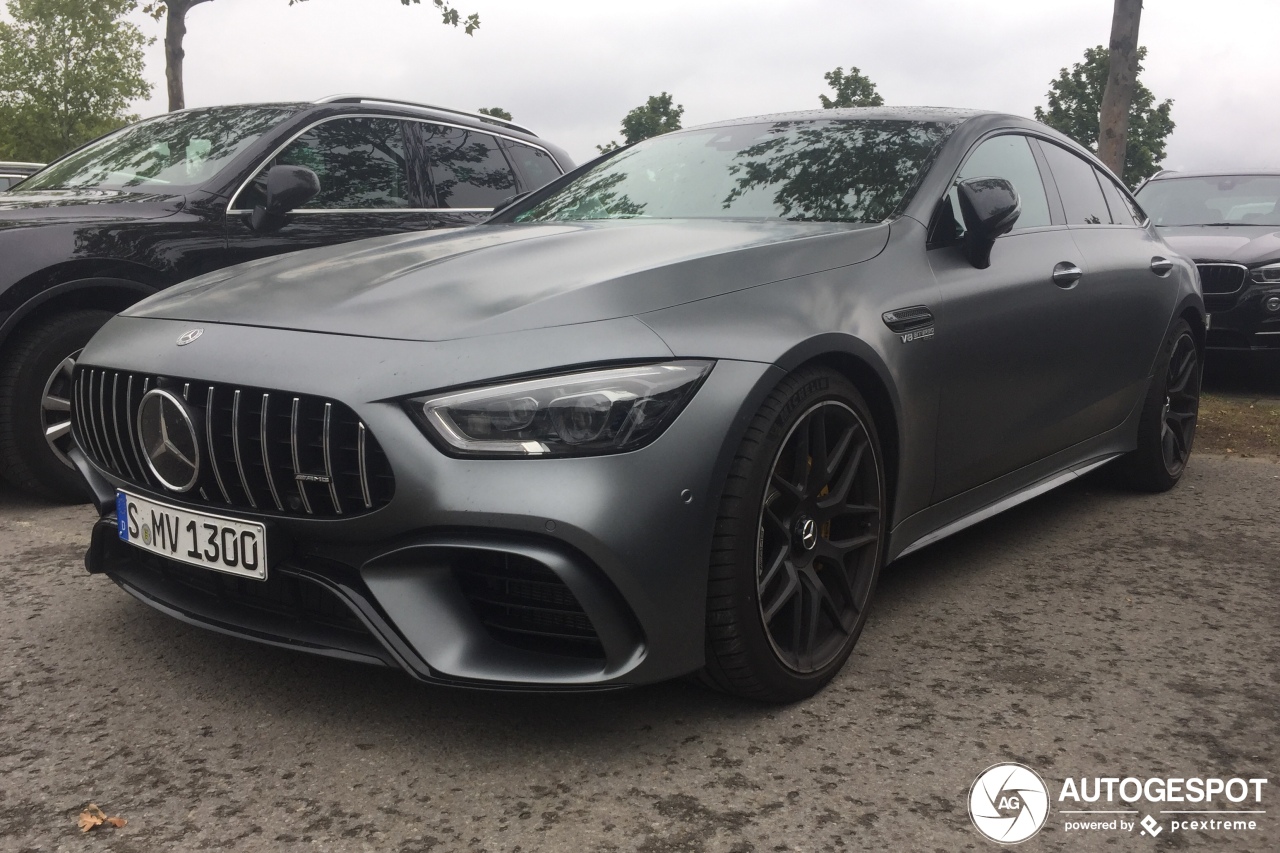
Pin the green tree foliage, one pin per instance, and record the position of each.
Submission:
(1075, 104)
(852, 90)
(174, 13)
(654, 117)
(496, 112)
(68, 72)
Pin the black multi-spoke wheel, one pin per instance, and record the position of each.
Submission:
(35, 404)
(799, 541)
(1167, 426)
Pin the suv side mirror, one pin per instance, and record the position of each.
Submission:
(288, 187)
(990, 207)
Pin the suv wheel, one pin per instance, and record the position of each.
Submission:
(35, 416)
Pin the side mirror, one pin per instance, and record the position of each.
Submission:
(288, 187)
(990, 207)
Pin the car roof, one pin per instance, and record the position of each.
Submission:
(19, 166)
(1217, 173)
(942, 114)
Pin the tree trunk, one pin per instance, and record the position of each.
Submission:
(175, 29)
(1113, 124)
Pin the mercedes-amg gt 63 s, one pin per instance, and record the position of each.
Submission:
(669, 414)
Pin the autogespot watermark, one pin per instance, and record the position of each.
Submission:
(1010, 803)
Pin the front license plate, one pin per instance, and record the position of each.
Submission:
(197, 538)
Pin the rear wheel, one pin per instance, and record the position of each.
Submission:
(1167, 426)
(798, 542)
(35, 405)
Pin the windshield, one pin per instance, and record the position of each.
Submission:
(170, 153)
(1216, 200)
(825, 170)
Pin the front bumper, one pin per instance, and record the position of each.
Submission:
(584, 573)
(1241, 321)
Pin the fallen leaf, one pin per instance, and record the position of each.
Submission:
(89, 818)
(117, 822)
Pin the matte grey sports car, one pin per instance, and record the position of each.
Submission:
(670, 414)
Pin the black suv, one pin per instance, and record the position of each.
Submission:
(171, 197)
(13, 173)
(1229, 224)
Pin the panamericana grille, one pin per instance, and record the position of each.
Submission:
(522, 603)
(261, 450)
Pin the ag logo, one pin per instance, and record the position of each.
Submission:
(1008, 803)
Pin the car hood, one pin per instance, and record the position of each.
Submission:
(18, 209)
(491, 279)
(1241, 244)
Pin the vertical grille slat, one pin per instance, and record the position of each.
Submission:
(235, 444)
(210, 438)
(363, 463)
(293, 445)
(328, 461)
(328, 444)
(266, 460)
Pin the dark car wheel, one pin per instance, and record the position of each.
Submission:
(35, 411)
(798, 542)
(1167, 426)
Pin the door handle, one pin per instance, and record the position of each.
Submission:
(1066, 274)
(1161, 266)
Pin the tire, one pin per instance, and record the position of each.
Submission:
(37, 365)
(1167, 425)
(794, 562)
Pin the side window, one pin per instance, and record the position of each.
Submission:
(360, 163)
(1123, 210)
(1008, 157)
(466, 168)
(535, 165)
(1077, 183)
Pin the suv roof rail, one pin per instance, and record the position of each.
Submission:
(371, 99)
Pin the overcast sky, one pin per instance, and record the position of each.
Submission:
(571, 69)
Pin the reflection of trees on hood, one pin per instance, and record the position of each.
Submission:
(850, 171)
(145, 150)
(592, 197)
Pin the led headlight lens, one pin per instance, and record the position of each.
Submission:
(1270, 274)
(580, 414)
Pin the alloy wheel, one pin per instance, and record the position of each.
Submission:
(55, 409)
(819, 537)
(1181, 406)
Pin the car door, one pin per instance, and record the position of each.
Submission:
(369, 186)
(1014, 336)
(1126, 285)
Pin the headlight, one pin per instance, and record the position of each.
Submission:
(579, 414)
(1270, 274)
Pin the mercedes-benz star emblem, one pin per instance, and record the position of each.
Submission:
(808, 534)
(189, 336)
(169, 441)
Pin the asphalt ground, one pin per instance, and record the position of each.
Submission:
(1092, 632)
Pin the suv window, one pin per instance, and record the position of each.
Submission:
(360, 163)
(467, 168)
(1008, 157)
(1078, 186)
(534, 165)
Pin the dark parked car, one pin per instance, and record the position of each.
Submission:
(12, 173)
(172, 197)
(1229, 223)
(669, 414)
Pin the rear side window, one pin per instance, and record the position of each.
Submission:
(1123, 211)
(535, 165)
(360, 163)
(1078, 186)
(1008, 157)
(466, 168)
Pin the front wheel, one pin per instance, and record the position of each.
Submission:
(1167, 425)
(35, 405)
(799, 542)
